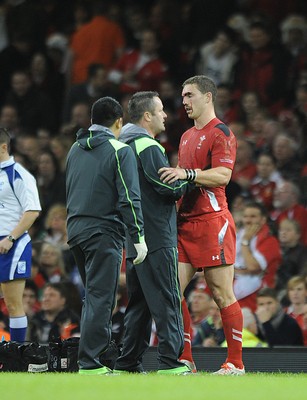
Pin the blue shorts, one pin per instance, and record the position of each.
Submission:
(16, 264)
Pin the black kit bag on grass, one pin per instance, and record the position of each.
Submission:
(71, 348)
(54, 359)
(10, 357)
(16, 357)
(63, 355)
(35, 357)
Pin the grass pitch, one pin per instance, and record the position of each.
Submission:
(58, 386)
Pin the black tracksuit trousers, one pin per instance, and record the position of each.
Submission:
(153, 293)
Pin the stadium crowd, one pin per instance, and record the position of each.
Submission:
(57, 57)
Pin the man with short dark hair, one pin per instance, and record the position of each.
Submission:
(19, 208)
(153, 287)
(103, 196)
(206, 230)
(258, 255)
(274, 325)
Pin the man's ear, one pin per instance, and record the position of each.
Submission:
(119, 123)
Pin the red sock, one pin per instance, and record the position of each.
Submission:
(233, 325)
(187, 350)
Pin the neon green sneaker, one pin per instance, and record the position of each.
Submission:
(95, 371)
(185, 370)
(120, 372)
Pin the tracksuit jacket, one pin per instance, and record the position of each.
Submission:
(108, 194)
(158, 198)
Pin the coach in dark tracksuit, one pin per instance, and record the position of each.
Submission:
(153, 287)
(103, 196)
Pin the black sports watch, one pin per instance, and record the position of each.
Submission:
(11, 238)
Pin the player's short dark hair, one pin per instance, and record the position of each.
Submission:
(5, 137)
(139, 103)
(203, 83)
(105, 111)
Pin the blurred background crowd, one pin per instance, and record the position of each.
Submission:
(59, 56)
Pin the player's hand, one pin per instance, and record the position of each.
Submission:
(5, 246)
(141, 249)
(170, 175)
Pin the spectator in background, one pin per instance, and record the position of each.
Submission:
(139, 69)
(226, 109)
(258, 256)
(51, 263)
(275, 326)
(217, 58)
(9, 120)
(30, 299)
(35, 108)
(294, 37)
(249, 105)
(300, 112)
(199, 304)
(28, 145)
(105, 49)
(56, 234)
(60, 56)
(286, 205)
(285, 152)
(256, 133)
(80, 118)
(49, 81)
(262, 65)
(245, 168)
(60, 145)
(135, 22)
(294, 255)
(50, 181)
(267, 179)
(297, 294)
(16, 56)
(55, 320)
(210, 333)
(95, 86)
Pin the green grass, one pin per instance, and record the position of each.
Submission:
(58, 386)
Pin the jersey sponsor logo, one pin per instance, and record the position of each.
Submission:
(21, 267)
(217, 257)
(226, 160)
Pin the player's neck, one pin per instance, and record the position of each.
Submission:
(204, 119)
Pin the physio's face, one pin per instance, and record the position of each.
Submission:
(158, 117)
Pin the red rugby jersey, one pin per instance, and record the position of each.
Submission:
(212, 146)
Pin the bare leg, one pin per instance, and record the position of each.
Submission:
(13, 293)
